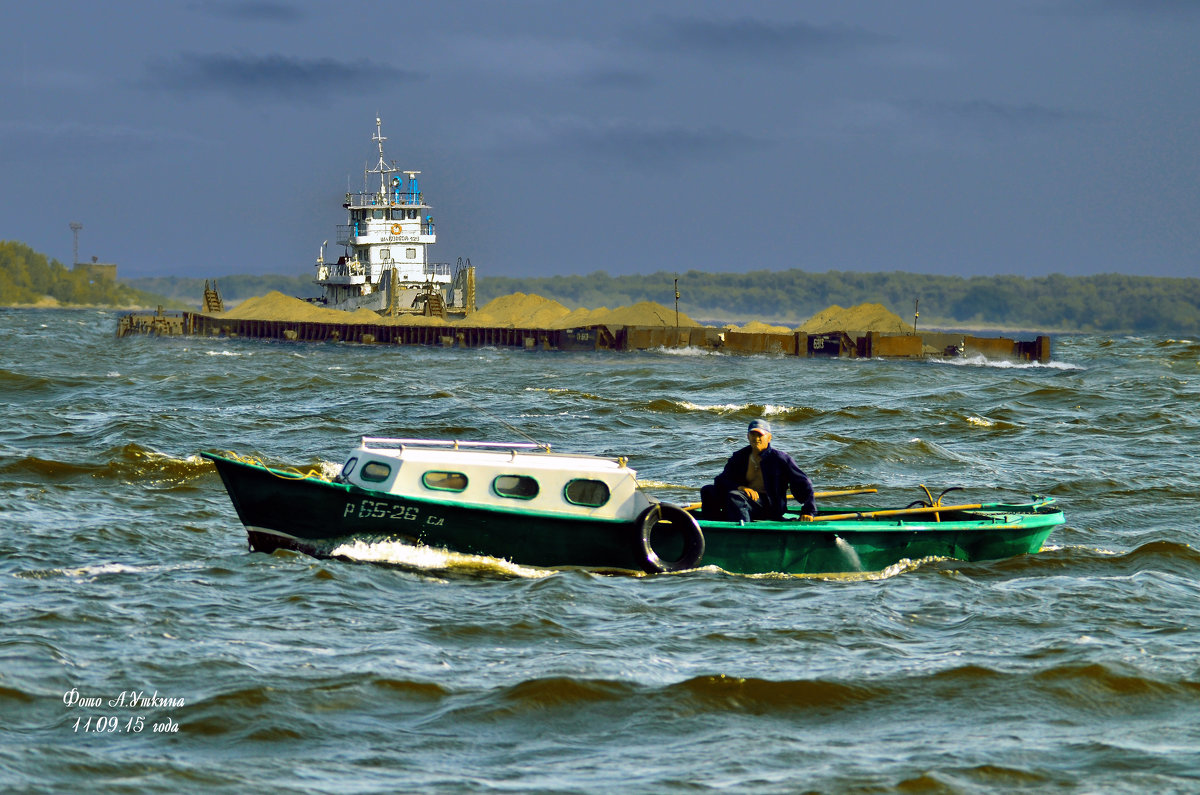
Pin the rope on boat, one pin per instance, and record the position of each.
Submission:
(512, 428)
(287, 473)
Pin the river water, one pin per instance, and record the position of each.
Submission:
(144, 649)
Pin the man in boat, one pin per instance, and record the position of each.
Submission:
(755, 483)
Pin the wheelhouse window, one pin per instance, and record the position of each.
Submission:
(411, 253)
(591, 493)
(377, 215)
(519, 487)
(444, 481)
(375, 471)
(385, 254)
(397, 215)
(348, 467)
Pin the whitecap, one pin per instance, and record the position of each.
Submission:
(979, 360)
(428, 558)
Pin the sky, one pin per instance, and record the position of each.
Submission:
(213, 137)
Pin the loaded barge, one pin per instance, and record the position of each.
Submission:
(386, 268)
(595, 338)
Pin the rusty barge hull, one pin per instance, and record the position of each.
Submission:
(594, 338)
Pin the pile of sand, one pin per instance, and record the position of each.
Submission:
(519, 310)
(277, 306)
(581, 317)
(864, 317)
(646, 313)
(758, 327)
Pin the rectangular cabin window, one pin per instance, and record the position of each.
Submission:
(411, 253)
(397, 215)
(445, 481)
(519, 487)
(385, 254)
(377, 214)
(590, 493)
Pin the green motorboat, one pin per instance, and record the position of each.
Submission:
(523, 503)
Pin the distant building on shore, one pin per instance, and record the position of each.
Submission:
(98, 271)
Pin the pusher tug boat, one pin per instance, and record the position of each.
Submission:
(523, 503)
(387, 238)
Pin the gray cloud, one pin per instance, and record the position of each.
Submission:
(1135, 10)
(990, 113)
(622, 79)
(269, 76)
(631, 143)
(753, 38)
(20, 140)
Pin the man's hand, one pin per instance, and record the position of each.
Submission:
(749, 492)
(804, 517)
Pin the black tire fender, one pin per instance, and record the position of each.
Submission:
(693, 538)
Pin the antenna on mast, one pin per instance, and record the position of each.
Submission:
(382, 168)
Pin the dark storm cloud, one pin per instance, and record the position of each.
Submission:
(754, 38)
(638, 144)
(251, 10)
(278, 76)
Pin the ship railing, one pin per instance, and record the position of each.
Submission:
(391, 198)
(429, 269)
(341, 269)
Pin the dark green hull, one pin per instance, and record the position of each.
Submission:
(282, 511)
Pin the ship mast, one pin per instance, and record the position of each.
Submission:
(382, 168)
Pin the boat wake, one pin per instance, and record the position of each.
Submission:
(431, 560)
(428, 560)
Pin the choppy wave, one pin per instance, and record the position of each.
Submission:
(735, 410)
(1004, 364)
(124, 565)
(687, 352)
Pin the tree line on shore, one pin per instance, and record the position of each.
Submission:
(29, 278)
(1105, 303)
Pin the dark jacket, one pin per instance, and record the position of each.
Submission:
(779, 473)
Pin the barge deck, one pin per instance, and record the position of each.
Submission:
(593, 338)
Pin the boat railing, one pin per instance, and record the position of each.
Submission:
(385, 443)
(378, 442)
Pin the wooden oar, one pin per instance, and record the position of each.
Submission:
(896, 512)
(839, 493)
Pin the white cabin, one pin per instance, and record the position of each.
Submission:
(386, 265)
(512, 476)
